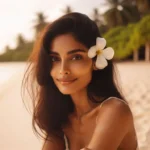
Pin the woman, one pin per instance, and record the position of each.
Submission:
(77, 103)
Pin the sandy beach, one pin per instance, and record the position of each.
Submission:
(16, 131)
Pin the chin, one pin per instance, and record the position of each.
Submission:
(66, 92)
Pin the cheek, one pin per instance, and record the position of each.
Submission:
(82, 68)
(83, 72)
(53, 72)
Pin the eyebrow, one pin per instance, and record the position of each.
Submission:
(70, 52)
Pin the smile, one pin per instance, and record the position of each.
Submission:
(66, 82)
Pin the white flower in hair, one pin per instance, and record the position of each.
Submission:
(102, 54)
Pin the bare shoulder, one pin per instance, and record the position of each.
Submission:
(117, 107)
(54, 143)
(114, 121)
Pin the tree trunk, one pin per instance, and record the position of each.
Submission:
(135, 55)
(147, 52)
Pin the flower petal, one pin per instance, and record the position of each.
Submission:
(108, 53)
(101, 62)
(100, 43)
(92, 52)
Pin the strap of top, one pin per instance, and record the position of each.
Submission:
(66, 142)
(107, 100)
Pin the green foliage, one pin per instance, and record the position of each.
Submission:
(119, 39)
(141, 34)
(17, 54)
(113, 40)
(7, 56)
(123, 39)
(24, 48)
(143, 28)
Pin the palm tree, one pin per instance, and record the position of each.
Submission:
(7, 48)
(21, 41)
(40, 23)
(143, 6)
(99, 20)
(67, 10)
(97, 17)
(141, 36)
(121, 12)
(144, 31)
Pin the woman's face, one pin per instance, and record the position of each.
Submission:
(71, 67)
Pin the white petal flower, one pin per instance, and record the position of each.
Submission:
(108, 53)
(100, 43)
(92, 52)
(101, 62)
(102, 54)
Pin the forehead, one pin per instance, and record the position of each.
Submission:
(65, 43)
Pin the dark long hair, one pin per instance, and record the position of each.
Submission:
(50, 107)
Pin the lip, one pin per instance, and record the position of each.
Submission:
(66, 82)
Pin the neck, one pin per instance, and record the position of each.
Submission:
(82, 103)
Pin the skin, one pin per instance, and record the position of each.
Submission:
(114, 127)
(73, 63)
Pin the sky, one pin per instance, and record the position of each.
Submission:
(18, 16)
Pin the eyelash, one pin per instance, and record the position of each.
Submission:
(57, 58)
(79, 57)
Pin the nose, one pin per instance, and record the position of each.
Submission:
(64, 68)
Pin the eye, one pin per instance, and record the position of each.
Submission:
(77, 57)
(54, 58)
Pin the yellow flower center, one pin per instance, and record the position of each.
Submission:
(98, 52)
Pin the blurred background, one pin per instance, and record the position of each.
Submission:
(124, 23)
